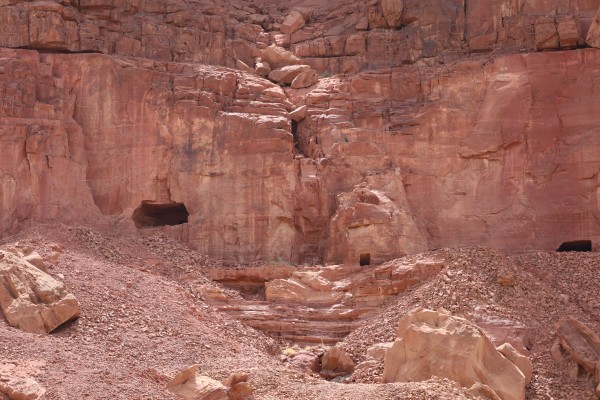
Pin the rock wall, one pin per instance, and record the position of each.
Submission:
(428, 140)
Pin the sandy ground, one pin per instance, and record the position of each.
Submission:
(141, 323)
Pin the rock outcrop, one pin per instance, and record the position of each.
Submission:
(315, 304)
(489, 149)
(32, 300)
(435, 343)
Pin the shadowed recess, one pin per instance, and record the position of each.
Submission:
(365, 259)
(576, 245)
(152, 214)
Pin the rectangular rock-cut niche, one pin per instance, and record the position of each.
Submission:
(151, 214)
(365, 259)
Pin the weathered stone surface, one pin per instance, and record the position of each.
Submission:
(580, 342)
(305, 79)
(593, 34)
(433, 142)
(369, 227)
(336, 362)
(32, 300)
(434, 343)
(239, 387)
(262, 68)
(568, 32)
(278, 57)
(241, 391)
(377, 351)
(16, 385)
(298, 114)
(288, 73)
(522, 362)
(316, 304)
(439, 153)
(393, 12)
(305, 361)
(293, 22)
(483, 391)
(546, 36)
(191, 386)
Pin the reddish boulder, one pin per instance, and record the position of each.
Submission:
(293, 22)
(580, 342)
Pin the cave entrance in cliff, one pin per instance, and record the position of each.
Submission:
(576, 245)
(365, 259)
(150, 214)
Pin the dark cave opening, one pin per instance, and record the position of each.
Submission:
(152, 214)
(365, 259)
(576, 245)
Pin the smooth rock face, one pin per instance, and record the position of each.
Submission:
(434, 343)
(32, 300)
(191, 386)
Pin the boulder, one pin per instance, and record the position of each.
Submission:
(336, 362)
(239, 387)
(546, 36)
(286, 75)
(568, 33)
(580, 342)
(240, 391)
(435, 343)
(16, 385)
(305, 361)
(294, 21)
(299, 113)
(191, 386)
(593, 35)
(305, 79)
(262, 68)
(278, 57)
(31, 299)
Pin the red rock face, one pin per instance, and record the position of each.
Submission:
(499, 153)
(425, 142)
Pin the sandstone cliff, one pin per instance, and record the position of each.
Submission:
(451, 123)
